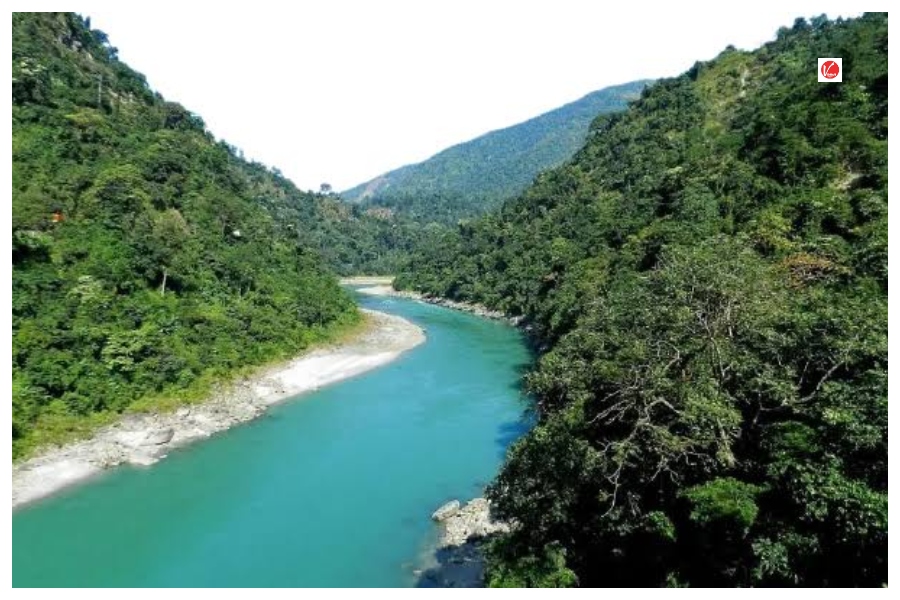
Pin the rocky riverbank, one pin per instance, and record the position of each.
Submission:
(458, 560)
(143, 439)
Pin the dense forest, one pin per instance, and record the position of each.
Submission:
(149, 259)
(708, 279)
(474, 177)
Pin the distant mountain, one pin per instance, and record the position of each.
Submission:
(474, 176)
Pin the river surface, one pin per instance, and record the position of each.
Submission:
(334, 488)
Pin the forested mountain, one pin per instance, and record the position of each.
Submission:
(147, 257)
(708, 276)
(470, 178)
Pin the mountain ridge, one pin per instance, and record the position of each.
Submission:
(500, 163)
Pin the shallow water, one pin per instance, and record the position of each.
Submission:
(334, 488)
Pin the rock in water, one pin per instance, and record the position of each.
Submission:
(459, 559)
(446, 511)
(471, 522)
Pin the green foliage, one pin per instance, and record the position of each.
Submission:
(708, 280)
(545, 571)
(351, 239)
(146, 257)
(724, 500)
(473, 177)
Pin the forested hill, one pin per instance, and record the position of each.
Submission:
(146, 259)
(709, 275)
(470, 178)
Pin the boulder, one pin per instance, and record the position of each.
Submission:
(446, 511)
(158, 437)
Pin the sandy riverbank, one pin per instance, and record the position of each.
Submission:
(143, 439)
(367, 280)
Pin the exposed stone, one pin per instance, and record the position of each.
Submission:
(470, 522)
(459, 561)
(446, 511)
(159, 436)
(129, 439)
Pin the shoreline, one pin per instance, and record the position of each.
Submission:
(367, 280)
(383, 286)
(144, 439)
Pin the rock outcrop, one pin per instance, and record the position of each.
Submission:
(470, 523)
(458, 561)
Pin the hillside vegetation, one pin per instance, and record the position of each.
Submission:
(145, 261)
(708, 277)
(473, 177)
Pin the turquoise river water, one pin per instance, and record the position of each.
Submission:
(335, 488)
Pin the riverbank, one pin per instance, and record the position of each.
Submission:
(383, 286)
(367, 280)
(143, 439)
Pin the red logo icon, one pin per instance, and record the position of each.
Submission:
(830, 69)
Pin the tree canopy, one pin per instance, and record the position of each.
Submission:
(147, 257)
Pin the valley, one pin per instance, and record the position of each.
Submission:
(646, 331)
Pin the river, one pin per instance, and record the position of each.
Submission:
(334, 488)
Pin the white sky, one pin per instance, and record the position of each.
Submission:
(340, 91)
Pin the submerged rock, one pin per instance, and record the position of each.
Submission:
(143, 458)
(456, 567)
(446, 511)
